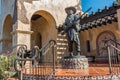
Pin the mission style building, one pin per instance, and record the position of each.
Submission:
(34, 22)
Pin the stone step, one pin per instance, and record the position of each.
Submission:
(101, 59)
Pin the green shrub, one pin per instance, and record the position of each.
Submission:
(6, 64)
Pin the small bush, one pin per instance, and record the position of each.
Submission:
(6, 64)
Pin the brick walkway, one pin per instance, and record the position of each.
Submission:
(93, 70)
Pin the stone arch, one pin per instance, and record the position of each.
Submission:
(43, 23)
(101, 49)
(7, 36)
(43, 26)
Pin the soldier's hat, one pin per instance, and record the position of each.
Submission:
(70, 8)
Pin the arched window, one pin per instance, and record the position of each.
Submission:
(101, 48)
(7, 36)
(88, 45)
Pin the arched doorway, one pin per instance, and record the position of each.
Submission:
(101, 48)
(7, 36)
(43, 26)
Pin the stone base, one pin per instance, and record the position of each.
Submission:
(101, 59)
(72, 63)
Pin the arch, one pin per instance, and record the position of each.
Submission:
(7, 36)
(101, 49)
(43, 23)
(42, 13)
(43, 26)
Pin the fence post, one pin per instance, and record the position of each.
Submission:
(109, 56)
(53, 51)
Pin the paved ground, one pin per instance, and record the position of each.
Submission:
(93, 70)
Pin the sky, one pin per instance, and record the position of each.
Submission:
(95, 4)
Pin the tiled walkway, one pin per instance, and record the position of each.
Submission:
(91, 71)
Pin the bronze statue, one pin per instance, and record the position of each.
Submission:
(72, 27)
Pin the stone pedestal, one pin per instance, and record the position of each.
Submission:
(72, 63)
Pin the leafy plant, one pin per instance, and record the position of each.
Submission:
(6, 64)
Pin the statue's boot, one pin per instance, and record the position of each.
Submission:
(78, 54)
(70, 54)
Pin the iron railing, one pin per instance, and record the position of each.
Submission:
(7, 60)
(41, 65)
(113, 48)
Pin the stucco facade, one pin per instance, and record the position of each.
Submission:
(6, 23)
(34, 22)
(19, 26)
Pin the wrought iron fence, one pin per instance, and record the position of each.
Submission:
(113, 48)
(6, 62)
(38, 63)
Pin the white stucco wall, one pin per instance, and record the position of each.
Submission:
(56, 8)
(7, 7)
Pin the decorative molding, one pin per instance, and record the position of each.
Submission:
(21, 31)
(102, 17)
(108, 11)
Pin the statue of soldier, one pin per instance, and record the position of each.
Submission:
(71, 27)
